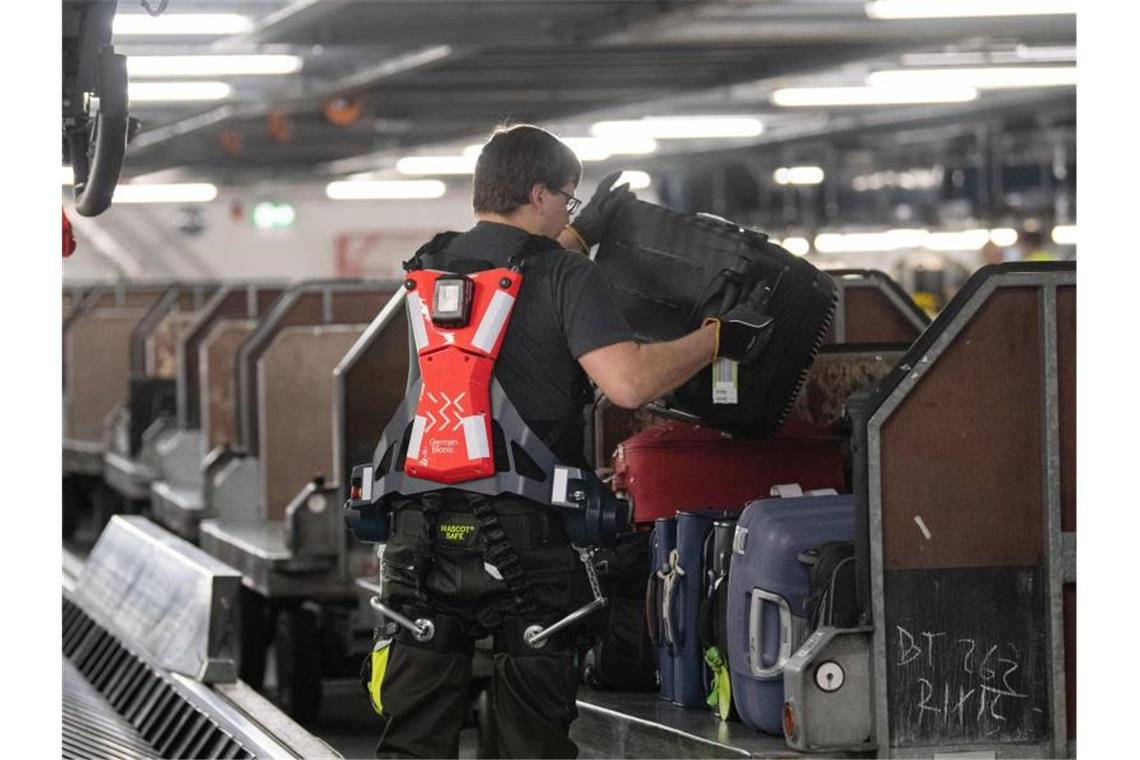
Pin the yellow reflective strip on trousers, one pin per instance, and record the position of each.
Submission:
(379, 668)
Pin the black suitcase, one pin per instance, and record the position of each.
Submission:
(622, 658)
(669, 270)
(713, 625)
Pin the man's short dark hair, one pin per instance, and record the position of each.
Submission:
(516, 159)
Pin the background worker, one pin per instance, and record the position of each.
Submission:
(565, 330)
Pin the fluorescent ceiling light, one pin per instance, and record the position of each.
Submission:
(139, 92)
(211, 65)
(797, 246)
(799, 97)
(385, 190)
(798, 175)
(1047, 53)
(908, 179)
(904, 9)
(601, 148)
(190, 192)
(680, 127)
(996, 77)
(180, 24)
(964, 240)
(420, 165)
(1003, 236)
(905, 239)
(1065, 234)
(636, 180)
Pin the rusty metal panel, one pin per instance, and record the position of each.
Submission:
(162, 344)
(97, 366)
(373, 390)
(948, 503)
(1067, 391)
(306, 309)
(234, 305)
(359, 307)
(216, 359)
(871, 317)
(295, 409)
(834, 376)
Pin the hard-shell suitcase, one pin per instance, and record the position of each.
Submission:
(678, 466)
(663, 555)
(669, 270)
(622, 657)
(767, 586)
(682, 607)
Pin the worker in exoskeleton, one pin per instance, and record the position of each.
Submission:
(479, 482)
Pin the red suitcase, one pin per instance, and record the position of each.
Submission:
(676, 466)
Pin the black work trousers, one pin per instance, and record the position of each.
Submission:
(426, 687)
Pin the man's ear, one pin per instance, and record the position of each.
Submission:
(537, 190)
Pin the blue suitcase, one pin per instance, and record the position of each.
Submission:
(767, 585)
(662, 544)
(682, 607)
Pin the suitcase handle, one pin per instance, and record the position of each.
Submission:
(756, 634)
(670, 581)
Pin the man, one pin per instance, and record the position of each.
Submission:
(564, 331)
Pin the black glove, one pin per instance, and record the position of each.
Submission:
(744, 330)
(595, 217)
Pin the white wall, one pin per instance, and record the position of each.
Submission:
(142, 240)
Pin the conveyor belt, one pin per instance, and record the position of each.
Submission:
(146, 702)
(91, 727)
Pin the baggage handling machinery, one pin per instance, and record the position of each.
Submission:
(96, 371)
(139, 426)
(149, 662)
(272, 494)
(204, 390)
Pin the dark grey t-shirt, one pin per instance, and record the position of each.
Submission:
(563, 312)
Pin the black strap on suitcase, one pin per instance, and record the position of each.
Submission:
(831, 598)
(669, 270)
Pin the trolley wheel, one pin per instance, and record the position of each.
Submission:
(298, 646)
(256, 634)
(485, 721)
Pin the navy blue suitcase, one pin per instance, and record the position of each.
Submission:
(662, 546)
(682, 607)
(767, 586)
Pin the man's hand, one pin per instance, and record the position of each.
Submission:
(595, 217)
(744, 330)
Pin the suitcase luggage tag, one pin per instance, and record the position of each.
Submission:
(725, 381)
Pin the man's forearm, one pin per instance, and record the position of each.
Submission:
(665, 366)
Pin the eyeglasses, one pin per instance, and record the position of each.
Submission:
(572, 203)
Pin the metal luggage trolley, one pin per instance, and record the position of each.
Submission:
(204, 391)
(96, 374)
(148, 416)
(274, 492)
(965, 539)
